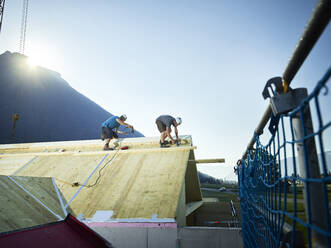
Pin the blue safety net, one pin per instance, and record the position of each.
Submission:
(278, 187)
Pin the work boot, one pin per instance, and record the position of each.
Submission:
(166, 142)
(163, 145)
(107, 148)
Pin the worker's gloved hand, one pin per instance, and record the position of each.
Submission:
(177, 142)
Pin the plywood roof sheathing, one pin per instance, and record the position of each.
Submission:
(137, 183)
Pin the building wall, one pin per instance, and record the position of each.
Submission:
(164, 237)
(210, 212)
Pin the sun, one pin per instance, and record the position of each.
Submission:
(32, 62)
(40, 59)
(43, 56)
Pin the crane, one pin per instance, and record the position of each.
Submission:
(23, 22)
(2, 7)
(23, 25)
(22, 44)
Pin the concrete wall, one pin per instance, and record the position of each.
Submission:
(214, 211)
(209, 237)
(164, 237)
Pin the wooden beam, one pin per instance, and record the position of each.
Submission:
(192, 184)
(208, 161)
(77, 153)
(136, 142)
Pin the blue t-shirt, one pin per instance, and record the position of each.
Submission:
(111, 122)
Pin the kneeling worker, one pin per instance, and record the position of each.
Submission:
(164, 123)
(107, 129)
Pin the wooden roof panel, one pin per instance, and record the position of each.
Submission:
(19, 209)
(136, 186)
(135, 183)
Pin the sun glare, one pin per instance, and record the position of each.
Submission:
(32, 62)
(39, 55)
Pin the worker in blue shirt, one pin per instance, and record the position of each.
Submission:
(107, 129)
(164, 123)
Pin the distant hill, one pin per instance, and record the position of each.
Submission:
(205, 178)
(290, 164)
(49, 108)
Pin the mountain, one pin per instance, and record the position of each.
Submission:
(49, 108)
(205, 178)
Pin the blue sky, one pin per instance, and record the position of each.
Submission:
(206, 61)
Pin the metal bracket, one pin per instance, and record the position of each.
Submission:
(283, 103)
(277, 82)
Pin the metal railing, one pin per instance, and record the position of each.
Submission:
(313, 30)
(284, 196)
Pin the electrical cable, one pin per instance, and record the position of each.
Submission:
(99, 176)
(76, 184)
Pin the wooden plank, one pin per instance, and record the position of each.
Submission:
(18, 209)
(85, 145)
(136, 185)
(193, 192)
(192, 206)
(208, 161)
(43, 189)
(88, 153)
(9, 165)
(64, 169)
(181, 211)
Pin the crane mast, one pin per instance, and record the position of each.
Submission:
(23, 25)
(2, 7)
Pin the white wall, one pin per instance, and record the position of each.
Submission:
(187, 237)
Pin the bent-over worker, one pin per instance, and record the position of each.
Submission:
(107, 129)
(164, 123)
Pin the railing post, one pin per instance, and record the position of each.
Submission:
(309, 168)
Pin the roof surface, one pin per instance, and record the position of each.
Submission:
(143, 181)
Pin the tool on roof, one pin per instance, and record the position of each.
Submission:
(75, 184)
(177, 142)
